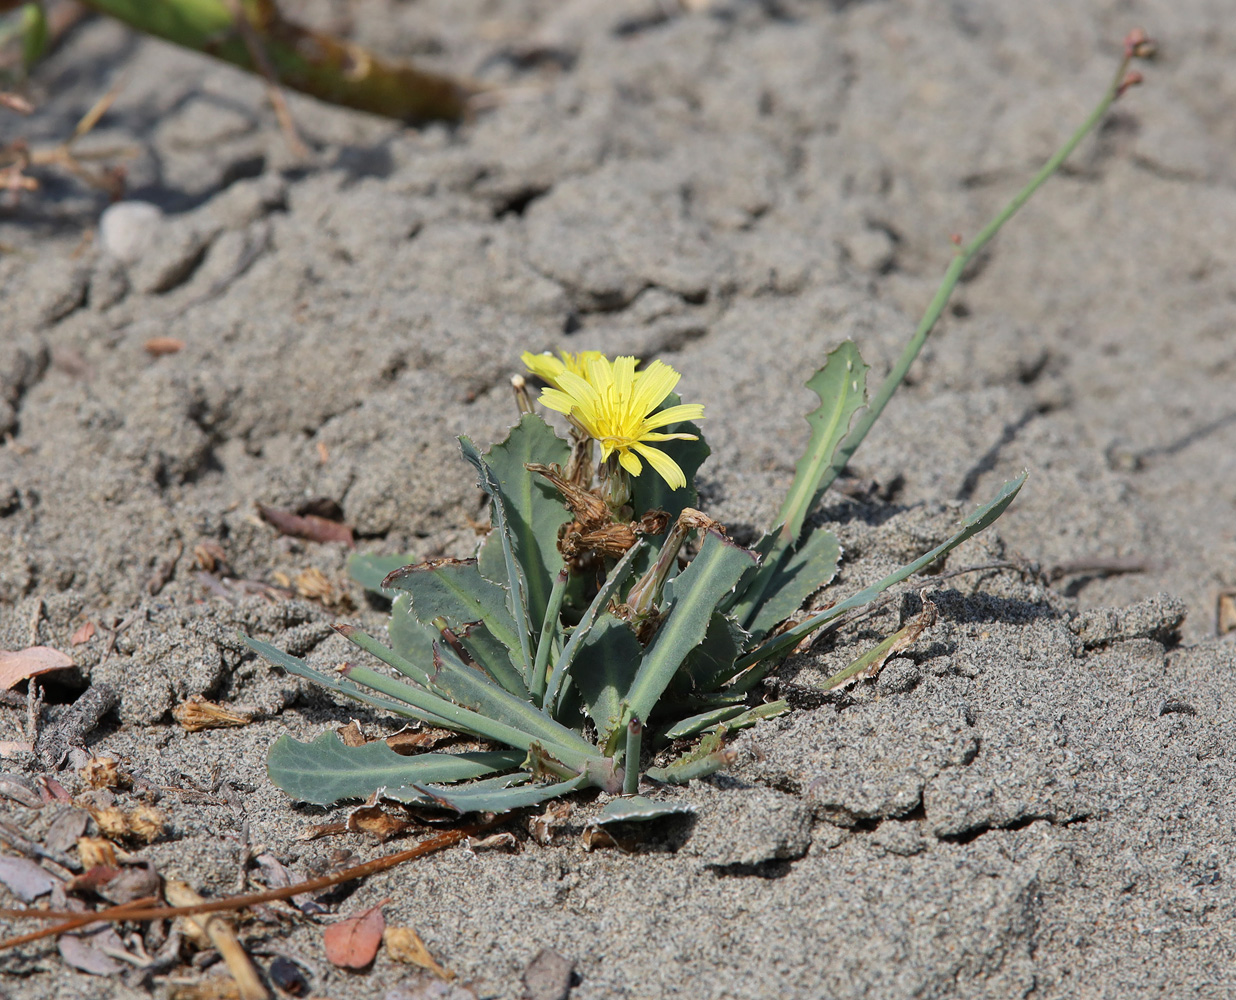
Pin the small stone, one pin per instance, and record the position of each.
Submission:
(127, 229)
(548, 976)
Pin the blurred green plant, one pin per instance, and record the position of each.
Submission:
(254, 35)
(580, 638)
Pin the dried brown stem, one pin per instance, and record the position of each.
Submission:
(128, 911)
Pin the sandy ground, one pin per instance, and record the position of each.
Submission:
(1036, 801)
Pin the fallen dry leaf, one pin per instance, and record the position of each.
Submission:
(90, 953)
(309, 526)
(83, 635)
(104, 772)
(156, 347)
(374, 820)
(17, 789)
(33, 661)
(353, 943)
(351, 734)
(196, 714)
(403, 944)
(95, 852)
(92, 880)
(410, 741)
(1225, 613)
(24, 879)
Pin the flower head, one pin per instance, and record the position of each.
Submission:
(615, 405)
(546, 366)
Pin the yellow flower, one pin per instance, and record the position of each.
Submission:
(546, 366)
(615, 405)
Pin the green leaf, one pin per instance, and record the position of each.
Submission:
(689, 767)
(692, 597)
(617, 576)
(712, 661)
(409, 638)
(517, 585)
(605, 668)
(326, 771)
(470, 690)
(480, 799)
(494, 657)
(457, 591)
(638, 809)
(369, 570)
(697, 724)
(534, 510)
(972, 525)
(35, 34)
(650, 492)
(341, 685)
(842, 387)
(786, 578)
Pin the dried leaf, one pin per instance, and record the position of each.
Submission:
(374, 820)
(403, 944)
(24, 879)
(104, 772)
(52, 790)
(86, 952)
(310, 526)
(92, 880)
(494, 842)
(542, 827)
(409, 741)
(134, 882)
(1225, 613)
(209, 555)
(95, 852)
(23, 664)
(15, 748)
(196, 714)
(353, 943)
(15, 788)
(146, 823)
(63, 831)
(156, 347)
(83, 635)
(279, 876)
(351, 734)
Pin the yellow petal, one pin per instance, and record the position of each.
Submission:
(629, 462)
(543, 366)
(558, 400)
(664, 465)
(658, 436)
(655, 383)
(675, 415)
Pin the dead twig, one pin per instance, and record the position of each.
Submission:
(71, 921)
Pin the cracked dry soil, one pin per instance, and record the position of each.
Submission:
(1036, 800)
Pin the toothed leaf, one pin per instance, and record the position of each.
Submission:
(326, 771)
(534, 510)
(842, 387)
(691, 597)
(638, 809)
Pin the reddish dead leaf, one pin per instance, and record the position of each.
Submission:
(156, 347)
(353, 943)
(52, 790)
(373, 819)
(310, 526)
(92, 880)
(83, 635)
(23, 664)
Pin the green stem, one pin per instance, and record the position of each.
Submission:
(635, 737)
(952, 276)
(306, 60)
(546, 641)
